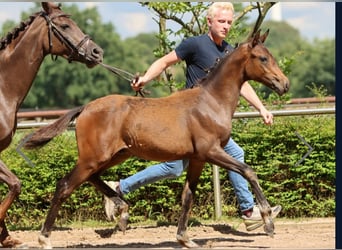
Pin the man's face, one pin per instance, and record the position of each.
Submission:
(220, 24)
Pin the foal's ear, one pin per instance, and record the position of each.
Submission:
(264, 36)
(255, 38)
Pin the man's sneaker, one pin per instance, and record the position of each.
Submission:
(112, 210)
(253, 219)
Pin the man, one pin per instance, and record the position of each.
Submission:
(200, 54)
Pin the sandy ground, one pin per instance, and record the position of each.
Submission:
(318, 233)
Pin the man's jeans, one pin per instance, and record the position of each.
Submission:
(173, 169)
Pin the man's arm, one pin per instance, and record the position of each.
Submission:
(249, 94)
(156, 69)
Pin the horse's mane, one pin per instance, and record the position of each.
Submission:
(15, 32)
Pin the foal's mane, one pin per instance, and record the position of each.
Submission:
(15, 32)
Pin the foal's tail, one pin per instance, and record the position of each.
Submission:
(42, 136)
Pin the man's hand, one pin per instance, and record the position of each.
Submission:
(267, 116)
(137, 83)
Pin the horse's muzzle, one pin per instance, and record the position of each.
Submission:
(94, 54)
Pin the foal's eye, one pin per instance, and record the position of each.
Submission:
(263, 59)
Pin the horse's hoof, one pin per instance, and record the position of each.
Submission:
(10, 242)
(185, 241)
(269, 228)
(44, 241)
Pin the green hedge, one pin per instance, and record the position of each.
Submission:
(304, 189)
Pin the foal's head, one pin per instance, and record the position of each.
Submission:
(261, 65)
(64, 38)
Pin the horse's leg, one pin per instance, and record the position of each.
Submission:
(14, 185)
(14, 189)
(192, 177)
(64, 189)
(8, 241)
(219, 157)
(115, 197)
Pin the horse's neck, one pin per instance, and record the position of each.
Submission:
(19, 64)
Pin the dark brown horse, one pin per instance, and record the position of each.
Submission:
(22, 51)
(192, 124)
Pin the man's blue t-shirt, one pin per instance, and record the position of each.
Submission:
(200, 54)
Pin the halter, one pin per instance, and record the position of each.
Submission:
(76, 50)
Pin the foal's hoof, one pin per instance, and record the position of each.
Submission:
(269, 228)
(44, 241)
(185, 241)
(123, 221)
(114, 207)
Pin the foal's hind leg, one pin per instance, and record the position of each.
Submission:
(193, 174)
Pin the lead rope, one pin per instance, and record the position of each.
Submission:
(127, 76)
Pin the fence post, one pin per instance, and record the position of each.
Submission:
(217, 192)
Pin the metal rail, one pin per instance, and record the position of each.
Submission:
(315, 111)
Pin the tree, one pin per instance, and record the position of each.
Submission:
(313, 63)
(6, 27)
(315, 69)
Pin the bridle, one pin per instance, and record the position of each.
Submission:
(76, 50)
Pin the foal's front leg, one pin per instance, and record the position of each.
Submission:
(219, 157)
(193, 174)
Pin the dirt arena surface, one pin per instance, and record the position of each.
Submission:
(318, 233)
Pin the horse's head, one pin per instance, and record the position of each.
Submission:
(64, 38)
(262, 67)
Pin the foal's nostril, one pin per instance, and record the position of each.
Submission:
(286, 85)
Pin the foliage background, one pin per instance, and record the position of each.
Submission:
(307, 189)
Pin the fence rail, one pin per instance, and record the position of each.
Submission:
(56, 114)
